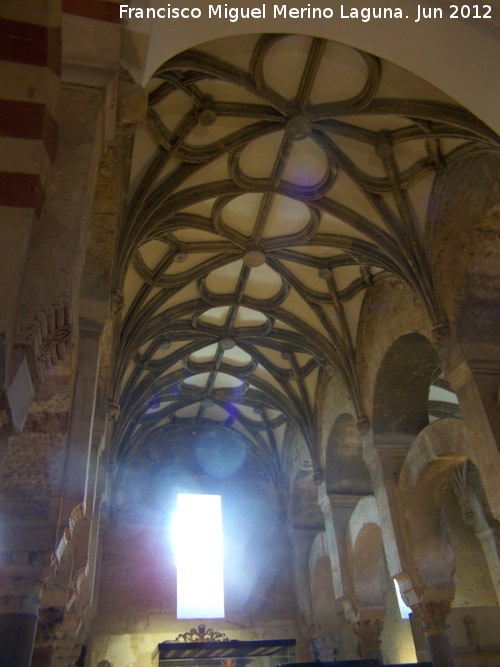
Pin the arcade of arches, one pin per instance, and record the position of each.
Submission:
(245, 261)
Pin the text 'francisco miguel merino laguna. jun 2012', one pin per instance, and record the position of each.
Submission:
(308, 12)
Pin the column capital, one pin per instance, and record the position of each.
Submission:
(362, 425)
(433, 615)
(318, 476)
(440, 334)
(117, 302)
(112, 410)
(368, 631)
(49, 619)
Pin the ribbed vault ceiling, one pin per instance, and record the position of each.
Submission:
(276, 179)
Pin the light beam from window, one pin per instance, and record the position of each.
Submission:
(404, 610)
(199, 556)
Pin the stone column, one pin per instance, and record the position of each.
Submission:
(78, 455)
(384, 463)
(368, 631)
(300, 545)
(19, 605)
(433, 616)
(475, 382)
(337, 510)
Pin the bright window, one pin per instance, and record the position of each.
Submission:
(199, 556)
(404, 610)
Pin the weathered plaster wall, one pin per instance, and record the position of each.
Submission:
(472, 577)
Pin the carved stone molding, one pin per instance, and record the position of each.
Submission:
(98, 440)
(368, 631)
(433, 615)
(202, 634)
(348, 608)
(407, 588)
(363, 425)
(326, 646)
(318, 477)
(49, 619)
(440, 334)
(50, 335)
(489, 654)
(79, 577)
(117, 302)
(460, 485)
(76, 515)
(113, 410)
